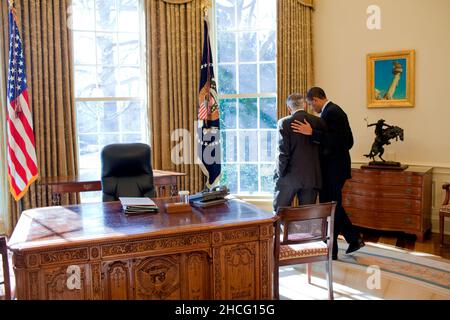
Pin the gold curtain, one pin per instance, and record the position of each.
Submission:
(47, 48)
(294, 50)
(174, 40)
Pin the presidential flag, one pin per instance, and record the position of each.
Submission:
(21, 153)
(208, 118)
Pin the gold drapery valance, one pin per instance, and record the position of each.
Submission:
(308, 3)
(177, 1)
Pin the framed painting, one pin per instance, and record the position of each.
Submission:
(390, 79)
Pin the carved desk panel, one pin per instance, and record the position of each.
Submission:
(94, 251)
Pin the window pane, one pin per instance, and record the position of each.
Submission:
(109, 121)
(247, 78)
(132, 138)
(225, 16)
(226, 47)
(130, 80)
(85, 83)
(268, 143)
(106, 15)
(249, 178)
(246, 14)
(268, 77)
(266, 14)
(89, 150)
(107, 49)
(268, 113)
(132, 115)
(83, 15)
(267, 183)
(229, 146)
(229, 177)
(227, 111)
(227, 79)
(247, 47)
(107, 84)
(129, 51)
(248, 144)
(128, 15)
(105, 139)
(87, 115)
(248, 112)
(84, 42)
(267, 46)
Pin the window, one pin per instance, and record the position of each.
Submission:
(109, 78)
(246, 56)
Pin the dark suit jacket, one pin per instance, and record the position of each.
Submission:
(298, 163)
(335, 143)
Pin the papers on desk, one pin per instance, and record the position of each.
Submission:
(132, 205)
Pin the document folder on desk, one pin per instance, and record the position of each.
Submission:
(138, 205)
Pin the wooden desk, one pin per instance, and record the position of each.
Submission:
(163, 180)
(220, 252)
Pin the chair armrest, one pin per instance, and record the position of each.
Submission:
(446, 187)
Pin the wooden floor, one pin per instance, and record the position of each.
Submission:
(429, 245)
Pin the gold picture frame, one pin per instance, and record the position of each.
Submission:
(391, 79)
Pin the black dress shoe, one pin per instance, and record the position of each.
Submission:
(352, 247)
(334, 257)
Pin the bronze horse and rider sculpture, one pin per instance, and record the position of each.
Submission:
(384, 133)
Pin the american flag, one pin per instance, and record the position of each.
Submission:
(22, 162)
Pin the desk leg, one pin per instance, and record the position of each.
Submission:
(56, 198)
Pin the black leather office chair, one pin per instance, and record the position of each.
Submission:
(126, 171)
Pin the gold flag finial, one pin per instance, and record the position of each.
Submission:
(206, 4)
(11, 3)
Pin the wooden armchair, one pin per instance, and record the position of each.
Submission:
(304, 234)
(444, 211)
(6, 282)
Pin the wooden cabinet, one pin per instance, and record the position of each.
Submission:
(220, 252)
(390, 200)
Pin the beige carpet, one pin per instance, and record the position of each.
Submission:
(375, 272)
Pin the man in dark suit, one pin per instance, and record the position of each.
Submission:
(297, 166)
(335, 160)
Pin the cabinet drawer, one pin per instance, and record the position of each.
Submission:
(410, 206)
(388, 178)
(383, 220)
(374, 190)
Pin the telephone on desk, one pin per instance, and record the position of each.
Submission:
(210, 197)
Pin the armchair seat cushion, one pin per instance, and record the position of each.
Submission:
(311, 249)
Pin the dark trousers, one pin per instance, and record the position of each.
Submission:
(332, 191)
(284, 195)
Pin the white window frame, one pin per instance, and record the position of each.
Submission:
(258, 62)
(144, 83)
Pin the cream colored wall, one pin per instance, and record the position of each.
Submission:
(341, 42)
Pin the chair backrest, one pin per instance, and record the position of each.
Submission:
(126, 171)
(306, 223)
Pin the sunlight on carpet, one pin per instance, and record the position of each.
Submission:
(404, 274)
